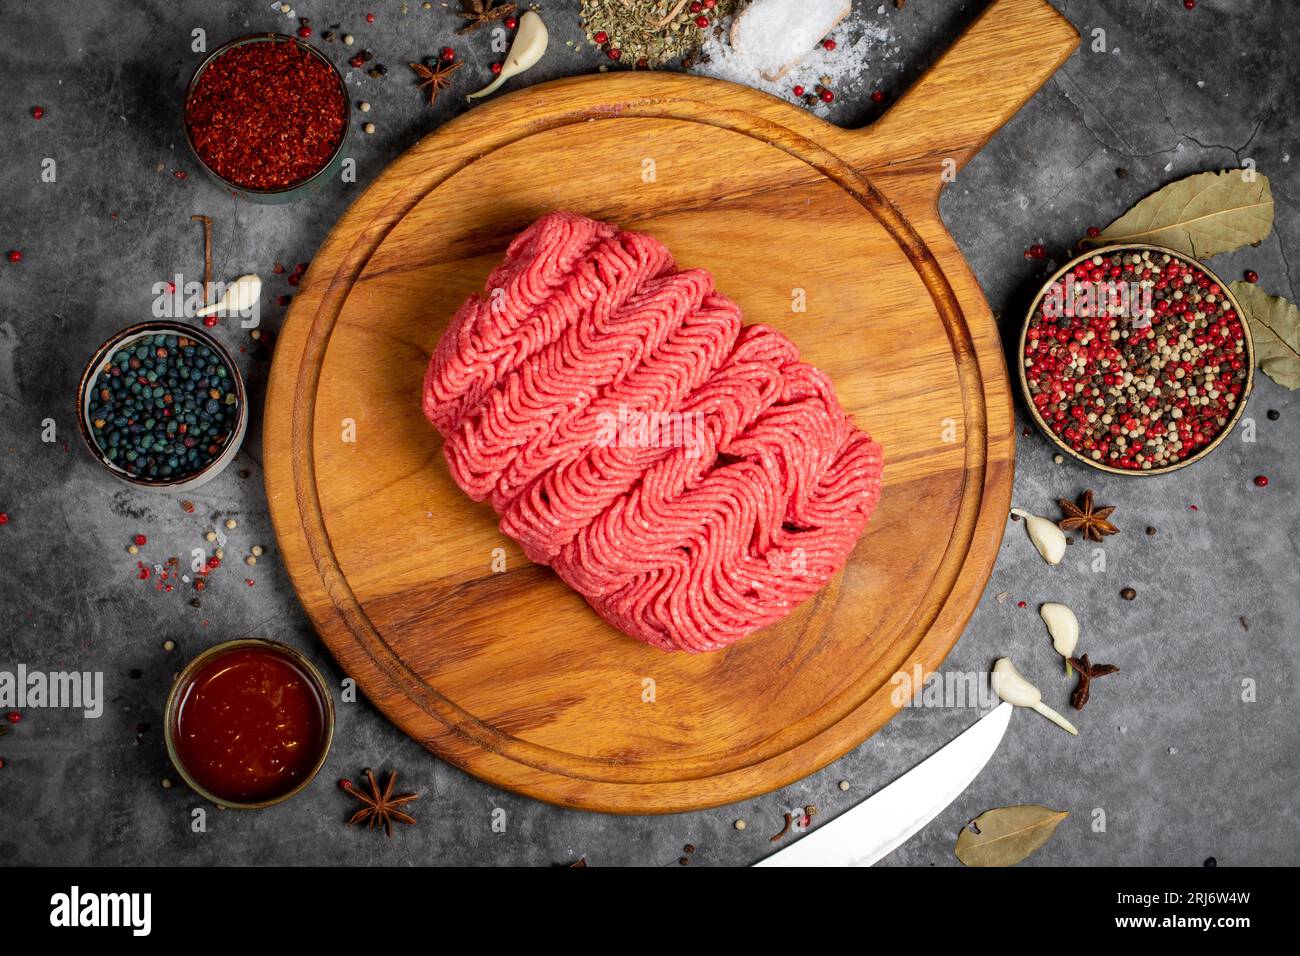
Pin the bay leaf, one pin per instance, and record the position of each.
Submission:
(1200, 216)
(1275, 327)
(1008, 834)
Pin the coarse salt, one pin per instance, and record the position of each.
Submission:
(776, 34)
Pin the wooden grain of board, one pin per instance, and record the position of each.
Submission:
(511, 675)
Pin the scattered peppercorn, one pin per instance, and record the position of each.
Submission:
(14, 717)
(1150, 530)
(689, 848)
(614, 53)
(877, 96)
(1189, 4)
(304, 32)
(844, 785)
(369, 130)
(14, 256)
(828, 44)
(827, 96)
(169, 646)
(363, 106)
(740, 824)
(37, 112)
(4, 518)
(1261, 481)
(1252, 276)
(510, 23)
(370, 18)
(1274, 414)
(1036, 251)
(1128, 594)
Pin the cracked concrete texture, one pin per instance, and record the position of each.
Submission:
(1172, 766)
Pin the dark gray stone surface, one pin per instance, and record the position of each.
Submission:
(1180, 767)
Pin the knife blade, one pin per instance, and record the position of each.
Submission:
(884, 821)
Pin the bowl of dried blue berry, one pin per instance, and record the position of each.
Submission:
(162, 405)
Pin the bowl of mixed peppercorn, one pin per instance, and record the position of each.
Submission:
(1136, 360)
(267, 117)
(162, 405)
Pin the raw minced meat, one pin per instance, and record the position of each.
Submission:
(685, 473)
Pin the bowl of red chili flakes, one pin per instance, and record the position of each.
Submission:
(1136, 360)
(267, 117)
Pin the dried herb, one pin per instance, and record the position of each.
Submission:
(1275, 327)
(1007, 835)
(1086, 519)
(381, 807)
(1200, 216)
(435, 77)
(1087, 671)
(479, 13)
(649, 33)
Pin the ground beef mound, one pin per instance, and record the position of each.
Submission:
(685, 473)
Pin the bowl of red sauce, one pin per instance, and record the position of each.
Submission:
(267, 117)
(1136, 360)
(249, 723)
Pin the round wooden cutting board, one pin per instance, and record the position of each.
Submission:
(492, 662)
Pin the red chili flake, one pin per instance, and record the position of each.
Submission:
(180, 174)
(37, 112)
(187, 507)
(1194, 508)
(370, 18)
(14, 717)
(278, 269)
(1021, 604)
(495, 68)
(267, 115)
(248, 581)
(143, 572)
(200, 584)
(447, 54)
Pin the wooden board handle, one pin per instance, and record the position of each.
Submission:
(976, 85)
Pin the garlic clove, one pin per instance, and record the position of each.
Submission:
(530, 43)
(1010, 685)
(1046, 536)
(1063, 626)
(239, 295)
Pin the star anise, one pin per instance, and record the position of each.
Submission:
(1087, 671)
(435, 77)
(480, 13)
(381, 807)
(1086, 519)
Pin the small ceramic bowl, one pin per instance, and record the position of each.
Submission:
(125, 338)
(296, 190)
(1064, 447)
(186, 677)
